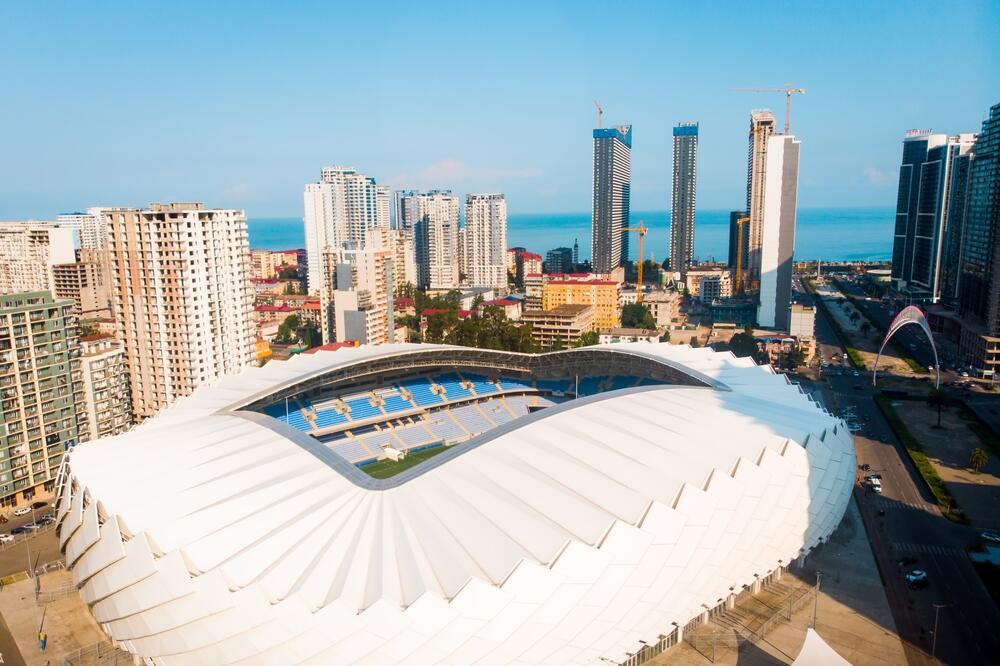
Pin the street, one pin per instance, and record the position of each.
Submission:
(904, 521)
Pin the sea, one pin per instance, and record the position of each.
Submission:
(826, 234)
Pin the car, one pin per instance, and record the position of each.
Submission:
(6, 538)
(23, 511)
(916, 579)
(46, 520)
(39, 505)
(990, 535)
(33, 527)
(19, 530)
(965, 374)
(876, 486)
(866, 467)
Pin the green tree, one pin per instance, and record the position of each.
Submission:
(666, 336)
(978, 459)
(743, 344)
(865, 328)
(86, 328)
(288, 329)
(589, 338)
(637, 315)
(288, 273)
(937, 399)
(796, 357)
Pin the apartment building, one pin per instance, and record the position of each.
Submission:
(777, 241)
(435, 219)
(560, 326)
(182, 298)
(584, 289)
(86, 283)
(28, 251)
(663, 305)
(266, 264)
(709, 283)
(107, 393)
(485, 239)
(682, 201)
(762, 127)
(356, 300)
(612, 196)
(42, 408)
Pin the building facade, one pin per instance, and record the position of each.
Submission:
(762, 127)
(356, 301)
(435, 222)
(682, 201)
(42, 410)
(28, 251)
(663, 305)
(778, 231)
(708, 283)
(604, 295)
(560, 326)
(739, 242)
(266, 264)
(182, 298)
(106, 389)
(340, 208)
(485, 240)
(612, 194)
(86, 283)
(979, 294)
(559, 260)
(922, 209)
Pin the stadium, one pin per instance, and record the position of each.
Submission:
(418, 504)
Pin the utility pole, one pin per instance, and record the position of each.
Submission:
(819, 576)
(937, 611)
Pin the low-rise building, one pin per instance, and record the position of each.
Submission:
(510, 307)
(585, 289)
(267, 264)
(628, 335)
(533, 287)
(708, 284)
(560, 326)
(663, 305)
(802, 323)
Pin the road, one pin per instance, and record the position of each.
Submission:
(904, 521)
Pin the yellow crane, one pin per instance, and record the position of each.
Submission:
(789, 90)
(739, 253)
(641, 230)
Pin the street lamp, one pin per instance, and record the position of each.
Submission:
(937, 611)
(819, 575)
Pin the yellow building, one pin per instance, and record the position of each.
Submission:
(604, 295)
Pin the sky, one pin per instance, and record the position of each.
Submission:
(239, 104)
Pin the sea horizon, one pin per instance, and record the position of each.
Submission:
(848, 233)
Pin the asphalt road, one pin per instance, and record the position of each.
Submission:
(911, 525)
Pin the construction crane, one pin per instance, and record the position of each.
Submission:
(789, 91)
(600, 113)
(641, 230)
(739, 253)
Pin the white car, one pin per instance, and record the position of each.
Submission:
(6, 538)
(23, 511)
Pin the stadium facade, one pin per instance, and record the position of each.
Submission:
(583, 506)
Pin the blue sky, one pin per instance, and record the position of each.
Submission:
(241, 103)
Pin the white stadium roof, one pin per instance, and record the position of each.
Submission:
(212, 535)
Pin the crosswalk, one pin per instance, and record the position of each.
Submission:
(927, 549)
(889, 504)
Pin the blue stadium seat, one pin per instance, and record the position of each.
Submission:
(514, 384)
(329, 417)
(420, 388)
(453, 388)
(361, 408)
(395, 403)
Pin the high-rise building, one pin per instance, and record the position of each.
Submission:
(356, 301)
(954, 233)
(683, 197)
(404, 210)
(576, 252)
(41, 392)
(780, 194)
(922, 206)
(761, 128)
(486, 240)
(88, 227)
(979, 290)
(86, 283)
(612, 187)
(182, 300)
(559, 260)
(107, 394)
(738, 246)
(340, 208)
(435, 234)
(28, 251)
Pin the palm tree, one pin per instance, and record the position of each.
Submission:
(937, 399)
(978, 459)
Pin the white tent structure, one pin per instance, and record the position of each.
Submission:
(574, 535)
(816, 652)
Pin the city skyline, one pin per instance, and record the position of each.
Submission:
(267, 149)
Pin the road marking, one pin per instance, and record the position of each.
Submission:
(928, 549)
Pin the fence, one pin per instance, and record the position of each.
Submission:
(21, 538)
(54, 565)
(98, 654)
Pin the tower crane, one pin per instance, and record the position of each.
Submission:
(789, 90)
(641, 230)
(600, 113)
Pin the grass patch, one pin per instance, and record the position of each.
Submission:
(986, 436)
(949, 506)
(383, 469)
(853, 355)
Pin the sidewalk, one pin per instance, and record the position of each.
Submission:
(852, 613)
(67, 621)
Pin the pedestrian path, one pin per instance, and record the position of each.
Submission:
(888, 504)
(928, 549)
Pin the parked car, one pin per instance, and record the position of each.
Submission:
(23, 511)
(6, 538)
(39, 505)
(19, 530)
(33, 527)
(46, 520)
(916, 579)
(990, 535)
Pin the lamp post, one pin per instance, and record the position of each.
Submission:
(937, 611)
(819, 576)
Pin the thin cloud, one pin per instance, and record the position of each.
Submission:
(878, 177)
(450, 172)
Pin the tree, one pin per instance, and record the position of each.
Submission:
(855, 317)
(978, 459)
(589, 338)
(937, 399)
(288, 273)
(694, 341)
(288, 330)
(796, 357)
(666, 336)
(743, 345)
(310, 335)
(865, 328)
(637, 315)
(86, 328)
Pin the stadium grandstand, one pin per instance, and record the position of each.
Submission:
(586, 506)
